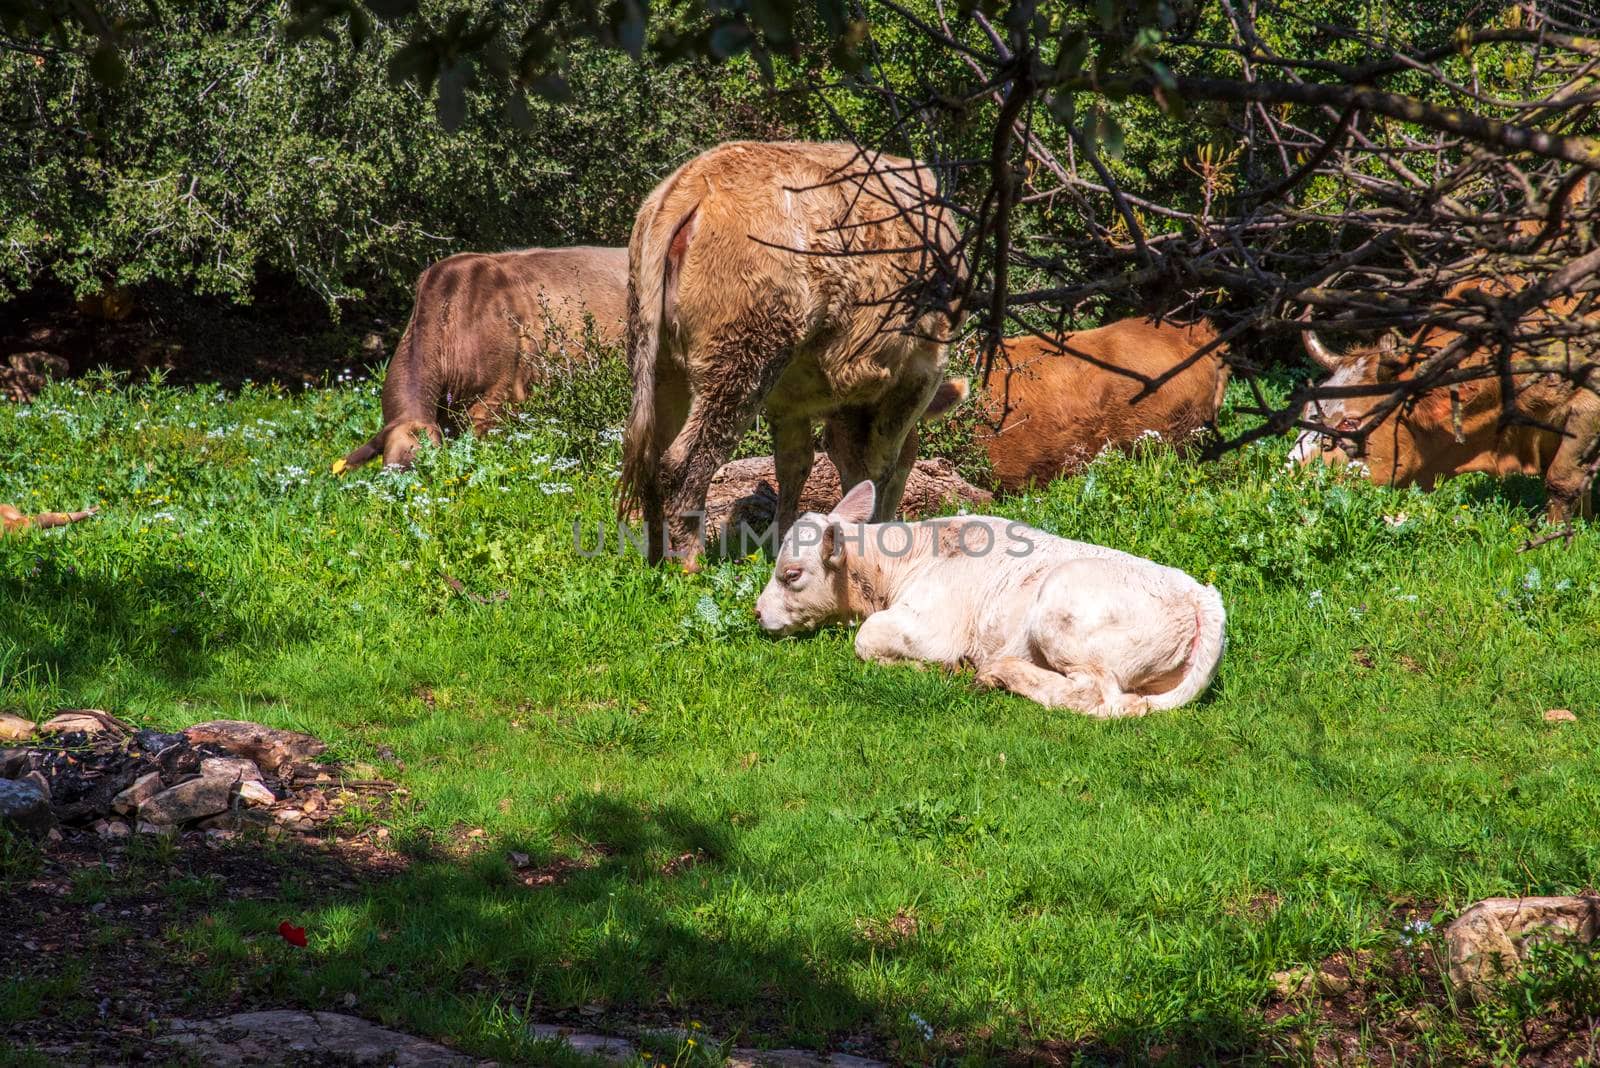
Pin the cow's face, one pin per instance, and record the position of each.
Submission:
(810, 583)
(1386, 454)
(1342, 413)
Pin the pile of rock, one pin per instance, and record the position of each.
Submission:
(87, 769)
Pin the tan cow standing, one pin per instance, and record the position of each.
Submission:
(765, 275)
(1063, 402)
(486, 327)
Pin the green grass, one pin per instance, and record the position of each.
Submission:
(1373, 740)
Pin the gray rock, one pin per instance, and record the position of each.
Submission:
(796, 1058)
(606, 1047)
(22, 806)
(1490, 940)
(615, 1050)
(287, 1036)
(14, 728)
(192, 800)
(235, 769)
(256, 793)
(13, 762)
(39, 782)
(143, 789)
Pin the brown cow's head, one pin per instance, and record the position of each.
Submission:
(1389, 454)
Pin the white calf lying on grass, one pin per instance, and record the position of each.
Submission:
(1065, 623)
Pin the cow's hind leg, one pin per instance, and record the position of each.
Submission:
(725, 402)
(1076, 689)
(670, 399)
(792, 459)
(891, 444)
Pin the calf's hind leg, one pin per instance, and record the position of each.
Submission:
(1076, 689)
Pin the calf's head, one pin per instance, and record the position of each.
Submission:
(810, 584)
(1389, 453)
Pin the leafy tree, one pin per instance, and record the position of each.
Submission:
(214, 144)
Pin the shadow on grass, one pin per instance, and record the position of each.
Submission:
(68, 625)
(641, 922)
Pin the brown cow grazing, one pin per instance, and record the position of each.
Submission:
(484, 328)
(1437, 435)
(764, 274)
(1064, 402)
(13, 521)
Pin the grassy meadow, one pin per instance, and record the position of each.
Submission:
(770, 839)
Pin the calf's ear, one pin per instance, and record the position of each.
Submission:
(833, 546)
(857, 505)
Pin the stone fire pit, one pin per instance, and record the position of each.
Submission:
(87, 769)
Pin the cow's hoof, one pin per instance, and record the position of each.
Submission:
(1128, 704)
(989, 680)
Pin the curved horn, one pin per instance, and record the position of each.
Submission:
(1319, 352)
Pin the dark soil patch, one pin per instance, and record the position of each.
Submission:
(90, 966)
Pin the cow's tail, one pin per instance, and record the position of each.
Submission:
(1211, 638)
(654, 255)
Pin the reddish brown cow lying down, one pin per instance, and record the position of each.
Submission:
(481, 334)
(1061, 409)
(1419, 443)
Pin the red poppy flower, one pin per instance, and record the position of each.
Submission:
(295, 936)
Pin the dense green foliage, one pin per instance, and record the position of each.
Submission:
(1373, 741)
(231, 152)
(227, 150)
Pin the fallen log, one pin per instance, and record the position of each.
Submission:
(13, 521)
